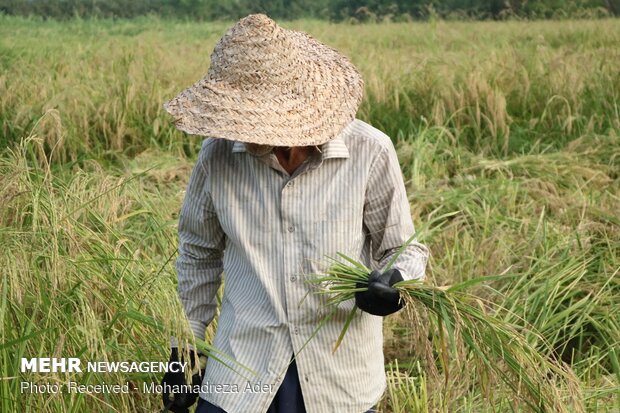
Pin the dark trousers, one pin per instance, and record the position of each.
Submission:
(288, 399)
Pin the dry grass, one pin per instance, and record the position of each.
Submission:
(508, 136)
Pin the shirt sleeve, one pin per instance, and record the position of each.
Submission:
(387, 217)
(201, 246)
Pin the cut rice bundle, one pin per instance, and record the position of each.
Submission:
(455, 327)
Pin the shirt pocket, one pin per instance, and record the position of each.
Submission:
(244, 219)
(339, 230)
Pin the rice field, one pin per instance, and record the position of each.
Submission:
(508, 134)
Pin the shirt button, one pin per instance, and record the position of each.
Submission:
(296, 330)
(291, 228)
(293, 278)
(290, 183)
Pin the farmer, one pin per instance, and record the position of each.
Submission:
(289, 179)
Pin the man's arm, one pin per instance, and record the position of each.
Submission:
(201, 246)
(387, 217)
(199, 268)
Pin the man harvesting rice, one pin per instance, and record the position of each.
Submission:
(290, 179)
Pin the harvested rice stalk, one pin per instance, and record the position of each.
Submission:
(469, 330)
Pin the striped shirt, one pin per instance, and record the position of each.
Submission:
(245, 217)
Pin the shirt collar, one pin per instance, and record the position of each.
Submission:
(238, 147)
(336, 148)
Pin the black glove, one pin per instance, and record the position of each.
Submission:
(180, 402)
(380, 298)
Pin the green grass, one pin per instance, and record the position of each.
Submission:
(508, 136)
(474, 341)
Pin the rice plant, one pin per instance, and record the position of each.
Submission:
(508, 134)
(469, 331)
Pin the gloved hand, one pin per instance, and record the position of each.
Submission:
(380, 298)
(181, 402)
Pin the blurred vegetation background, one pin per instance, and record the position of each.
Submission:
(508, 135)
(338, 10)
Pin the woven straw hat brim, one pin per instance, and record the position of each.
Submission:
(315, 97)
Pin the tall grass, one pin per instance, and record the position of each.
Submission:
(496, 87)
(466, 336)
(86, 272)
(509, 140)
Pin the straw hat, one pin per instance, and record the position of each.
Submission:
(270, 86)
